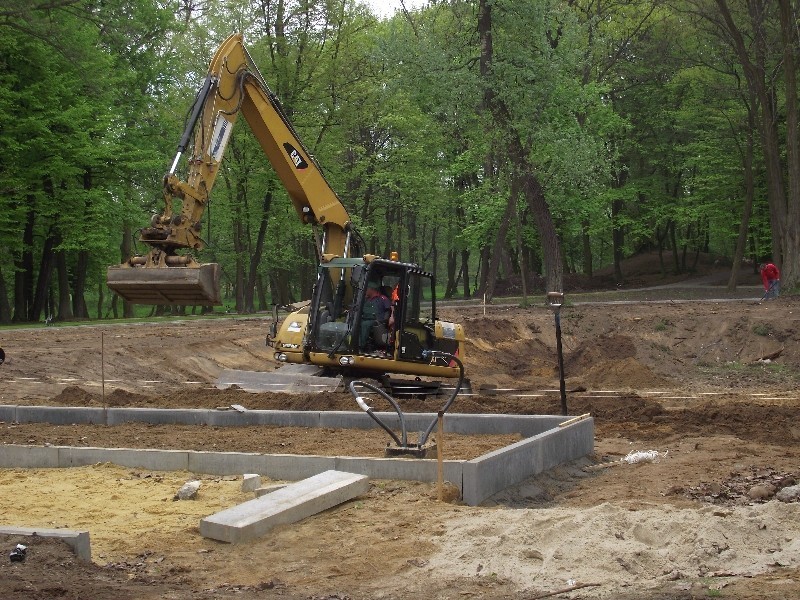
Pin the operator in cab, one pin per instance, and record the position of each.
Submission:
(376, 311)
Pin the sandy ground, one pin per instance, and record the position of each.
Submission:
(709, 386)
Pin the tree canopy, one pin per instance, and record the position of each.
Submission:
(488, 140)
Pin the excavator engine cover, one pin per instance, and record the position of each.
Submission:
(189, 286)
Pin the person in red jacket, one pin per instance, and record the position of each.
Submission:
(771, 278)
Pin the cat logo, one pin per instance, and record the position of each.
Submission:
(295, 156)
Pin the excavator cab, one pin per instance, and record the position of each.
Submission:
(344, 332)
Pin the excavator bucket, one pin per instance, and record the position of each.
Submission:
(189, 286)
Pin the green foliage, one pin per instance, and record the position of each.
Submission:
(663, 324)
(763, 329)
(634, 117)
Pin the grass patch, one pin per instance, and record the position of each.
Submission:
(763, 329)
(663, 324)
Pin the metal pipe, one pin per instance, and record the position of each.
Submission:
(555, 300)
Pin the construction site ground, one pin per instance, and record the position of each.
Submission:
(708, 385)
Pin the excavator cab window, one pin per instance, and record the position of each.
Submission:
(329, 326)
(341, 320)
(415, 334)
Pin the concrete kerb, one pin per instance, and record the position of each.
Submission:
(154, 460)
(8, 414)
(495, 471)
(59, 415)
(28, 457)
(78, 540)
(546, 445)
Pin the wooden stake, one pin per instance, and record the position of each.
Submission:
(439, 455)
(575, 419)
(103, 368)
(564, 591)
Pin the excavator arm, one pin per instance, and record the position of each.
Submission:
(168, 273)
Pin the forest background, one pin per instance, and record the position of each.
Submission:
(488, 140)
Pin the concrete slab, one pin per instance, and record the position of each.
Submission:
(286, 379)
(251, 482)
(77, 540)
(295, 502)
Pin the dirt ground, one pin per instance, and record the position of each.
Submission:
(709, 386)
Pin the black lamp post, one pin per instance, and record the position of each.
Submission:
(555, 300)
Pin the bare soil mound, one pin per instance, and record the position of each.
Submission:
(710, 387)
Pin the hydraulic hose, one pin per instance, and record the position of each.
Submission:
(367, 409)
(424, 436)
(433, 354)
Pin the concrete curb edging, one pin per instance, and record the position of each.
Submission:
(77, 540)
(545, 446)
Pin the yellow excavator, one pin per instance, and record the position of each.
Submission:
(337, 330)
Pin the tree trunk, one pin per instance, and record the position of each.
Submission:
(676, 261)
(45, 271)
(279, 284)
(529, 185)
(434, 256)
(465, 269)
(506, 258)
(588, 260)
(617, 238)
(239, 253)
(64, 312)
(790, 275)
(483, 269)
(5, 307)
(262, 293)
(79, 308)
(450, 289)
(23, 278)
(749, 195)
(485, 62)
(308, 269)
(497, 248)
(755, 74)
(551, 246)
(255, 258)
(521, 259)
(126, 251)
